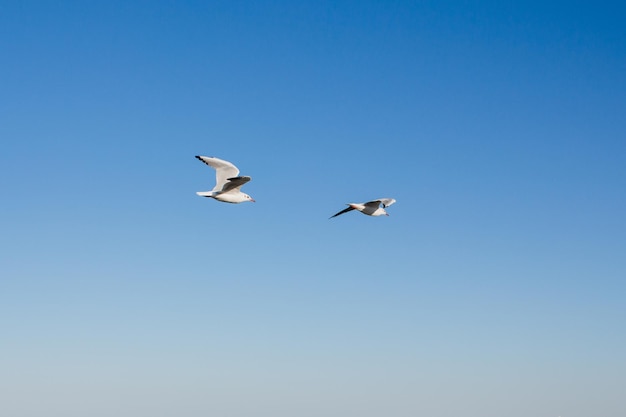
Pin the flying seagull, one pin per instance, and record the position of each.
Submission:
(227, 182)
(371, 208)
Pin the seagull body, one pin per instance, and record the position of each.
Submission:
(227, 182)
(371, 208)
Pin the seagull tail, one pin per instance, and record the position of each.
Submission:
(205, 193)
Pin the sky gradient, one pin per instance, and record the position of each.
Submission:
(496, 287)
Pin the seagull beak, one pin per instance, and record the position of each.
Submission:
(253, 200)
(387, 214)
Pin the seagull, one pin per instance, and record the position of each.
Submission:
(371, 208)
(228, 182)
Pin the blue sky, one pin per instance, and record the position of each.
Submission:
(495, 287)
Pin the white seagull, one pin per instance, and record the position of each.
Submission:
(371, 208)
(227, 182)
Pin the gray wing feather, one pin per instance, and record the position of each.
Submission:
(234, 183)
(386, 202)
(372, 204)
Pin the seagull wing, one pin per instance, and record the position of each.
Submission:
(234, 183)
(386, 202)
(341, 212)
(373, 205)
(223, 170)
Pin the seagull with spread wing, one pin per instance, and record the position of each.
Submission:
(371, 208)
(227, 182)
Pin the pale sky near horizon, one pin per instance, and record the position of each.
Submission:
(496, 287)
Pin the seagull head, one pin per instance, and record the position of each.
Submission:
(247, 197)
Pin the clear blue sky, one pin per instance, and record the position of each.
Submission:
(495, 288)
